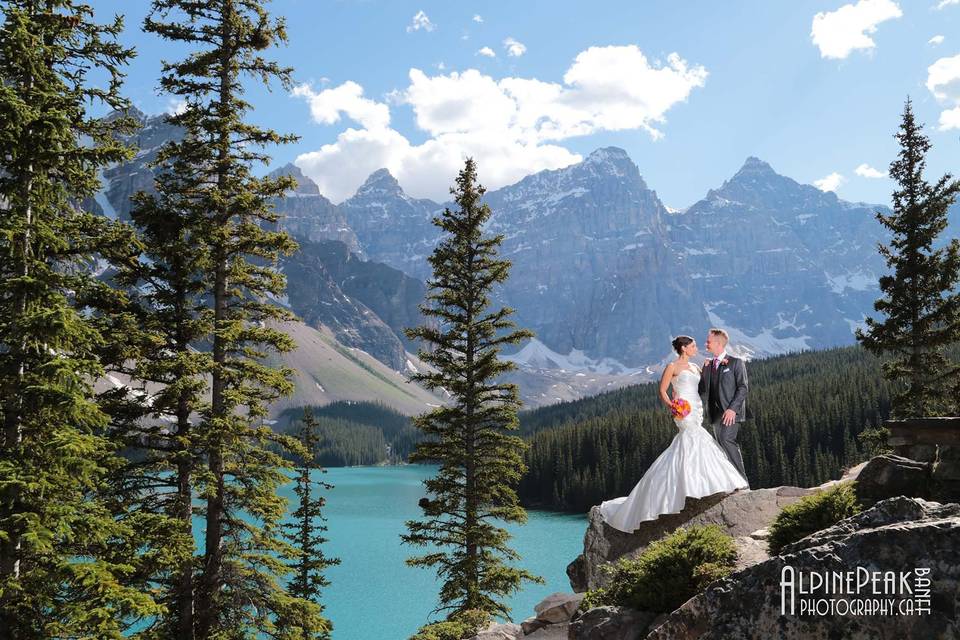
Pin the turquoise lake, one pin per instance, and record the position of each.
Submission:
(375, 596)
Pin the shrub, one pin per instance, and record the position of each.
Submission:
(462, 624)
(669, 572)
(811, 514)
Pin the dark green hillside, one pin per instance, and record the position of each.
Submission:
(805, 413)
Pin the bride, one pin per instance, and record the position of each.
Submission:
(693, 465)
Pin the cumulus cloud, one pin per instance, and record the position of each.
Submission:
(512, 126)
(477, 18)
(935, 40)
(327, 105)
(946, 3)
(950, 119)
(839, 33)
(829, 183)
(943, 81)
(176, 106)
(866, 171)
(487, 51)
(514, 48)
(420, 21)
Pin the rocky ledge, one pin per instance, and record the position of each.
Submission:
(745, 515)
(901, 535)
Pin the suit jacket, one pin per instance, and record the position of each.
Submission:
(731, 387)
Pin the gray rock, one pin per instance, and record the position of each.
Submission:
(611, 623)
(741, 514)
(500, 631)
(891, 475)
(558, 607)
(559, 631)
(945, 479)
(898, 534)
(531, 624)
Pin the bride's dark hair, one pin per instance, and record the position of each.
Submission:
(680, 342)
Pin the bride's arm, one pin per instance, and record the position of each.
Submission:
(664, 383)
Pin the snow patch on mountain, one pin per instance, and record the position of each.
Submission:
(856, 280)
(536, 355)
(763, 344)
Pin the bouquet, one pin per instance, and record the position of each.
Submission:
(680, 408)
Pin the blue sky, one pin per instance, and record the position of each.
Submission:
(688, 89)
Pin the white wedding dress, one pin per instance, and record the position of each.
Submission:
(693, 465)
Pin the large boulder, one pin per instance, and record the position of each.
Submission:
(908, 536)
(741, 514)
(611, 623)
(891, 475)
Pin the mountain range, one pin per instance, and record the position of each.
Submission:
(602, 271)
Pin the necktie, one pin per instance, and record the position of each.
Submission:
(716, 362)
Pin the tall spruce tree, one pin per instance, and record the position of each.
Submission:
(237, 589)
(167, 322)
(305, 532)
(66, 560)
(480, 460)
(920, 302)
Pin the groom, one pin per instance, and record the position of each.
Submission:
(724, 383)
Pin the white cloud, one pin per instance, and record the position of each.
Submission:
(511, 125)
(935, 40)
(829, 183)
(946, 3)
(514, 48)
(420, 21)
(838, 33)
(487, 51)
(943, 81)
(477, 17)
(176, 106)
(950, 119)
(326, 106)
(866, 171)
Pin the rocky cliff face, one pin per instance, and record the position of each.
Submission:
(365, 304)
(392, 227)
(307, 215)
(901, 534)
(785, 265)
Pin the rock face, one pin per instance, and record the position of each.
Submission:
(392, 227)
(307, 215)
(898, 535)
(611, 623)
(744, 515)
(365, 304)
(887, 476)
(741, 514)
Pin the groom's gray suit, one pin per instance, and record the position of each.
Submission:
(725, 387)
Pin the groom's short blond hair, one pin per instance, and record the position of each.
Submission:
(716, 331)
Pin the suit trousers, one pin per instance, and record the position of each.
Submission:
(727, 437)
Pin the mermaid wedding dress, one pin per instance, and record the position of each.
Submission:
(693, 465)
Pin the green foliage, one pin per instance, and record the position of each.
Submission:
(305, 535)
(470, 437)
(463, 624)
(669, 572)
(70, 564)
(811, 514)
(874, 440)
(807, 410)
(920, 301)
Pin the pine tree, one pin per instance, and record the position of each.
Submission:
(305, 534)
(920, 303)
(156, 418)
(68, 565)
(229, 213)
(480, 460)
